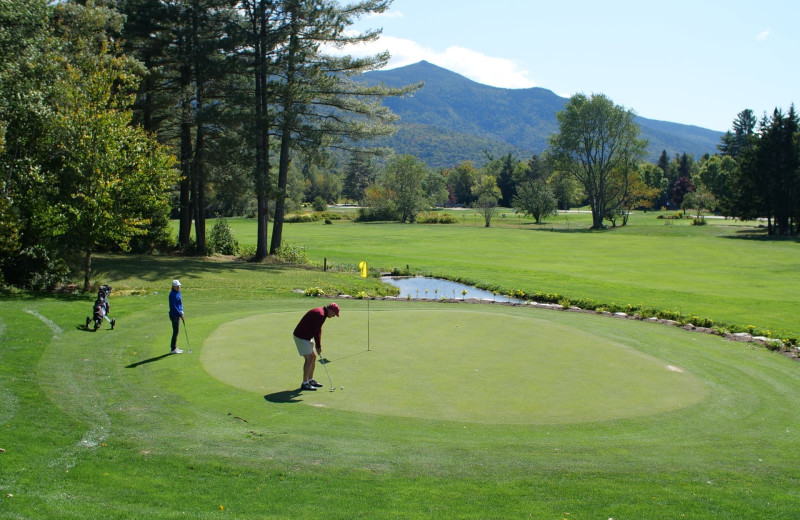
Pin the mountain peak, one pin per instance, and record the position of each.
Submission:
(453, 119)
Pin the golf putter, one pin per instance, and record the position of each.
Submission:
(188, 345)
(323, 362)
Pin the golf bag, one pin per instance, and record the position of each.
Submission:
(100, 309)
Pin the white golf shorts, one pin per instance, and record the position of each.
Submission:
(304, 346)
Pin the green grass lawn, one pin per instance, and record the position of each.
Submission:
(457, 410)
(726, 271)
(526, 413)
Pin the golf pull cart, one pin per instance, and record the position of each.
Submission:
(101, 309)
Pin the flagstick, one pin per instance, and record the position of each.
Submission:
(368, 323)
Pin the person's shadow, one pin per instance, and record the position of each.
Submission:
(162, 356)
(287, 396)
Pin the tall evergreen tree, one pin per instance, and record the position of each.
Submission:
(505, 179)
(735, 142)
(358, 175)
(319, 105)
(663, 162)
(263, 27)
(188, 48)
(768, 181)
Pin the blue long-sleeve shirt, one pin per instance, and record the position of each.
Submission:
(175, 304)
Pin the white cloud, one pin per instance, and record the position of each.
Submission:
(763, 35)
(498, 72)
(386, 14)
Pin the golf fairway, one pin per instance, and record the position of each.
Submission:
(467, 363)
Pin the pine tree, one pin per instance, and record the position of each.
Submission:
(737, 141)
(768, 183)
(319, 105)
(359, 174)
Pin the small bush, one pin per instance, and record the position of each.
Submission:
(436, 218)
(34, 268)
(377, 214)
(699, 221)
(314, 291)
(319, 204)
(222, 239)
(587, 304)
(302, 218)
(292, 254)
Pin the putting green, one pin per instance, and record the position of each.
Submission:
(464, 364)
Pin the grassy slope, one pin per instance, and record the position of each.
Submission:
(87, 437)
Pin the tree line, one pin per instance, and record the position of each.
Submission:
(116, 114)
(596, 159)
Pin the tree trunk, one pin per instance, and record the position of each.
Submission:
(185, 228)
(262, 129)
(286, 135)
(263, 223)
(87, 270)
(198, 176)
(280, 199)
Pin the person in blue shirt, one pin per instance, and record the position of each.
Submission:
(175, 315)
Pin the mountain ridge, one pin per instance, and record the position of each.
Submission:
(453, 118)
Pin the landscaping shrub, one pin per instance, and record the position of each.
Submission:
(386, 212)
(302, 218)
(292, 254)
(222, 239)
(34, 268)
(319, 204)
(436, 218)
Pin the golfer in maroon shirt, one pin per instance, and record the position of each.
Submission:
(307, 335)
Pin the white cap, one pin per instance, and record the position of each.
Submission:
(176, 283)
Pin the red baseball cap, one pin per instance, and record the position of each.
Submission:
(335, 309)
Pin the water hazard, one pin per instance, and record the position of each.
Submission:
(424, 288)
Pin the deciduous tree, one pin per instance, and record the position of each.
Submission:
(535, 198)
(403, 177)
(486, 193)
(598, 142)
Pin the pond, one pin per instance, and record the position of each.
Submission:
(415, 287)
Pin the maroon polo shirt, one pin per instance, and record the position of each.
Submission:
(310, 326)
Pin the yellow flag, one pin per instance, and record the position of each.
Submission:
(363, 267)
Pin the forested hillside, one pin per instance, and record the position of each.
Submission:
(453, 119)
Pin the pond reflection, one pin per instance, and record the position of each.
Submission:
(421, 287)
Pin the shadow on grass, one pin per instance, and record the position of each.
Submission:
(151, 360)
(84, 328)
(287, 396)
(544, 227)
(760, 235)
(157, 269)
(325, 360)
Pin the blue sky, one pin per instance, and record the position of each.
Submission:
(696, 62)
